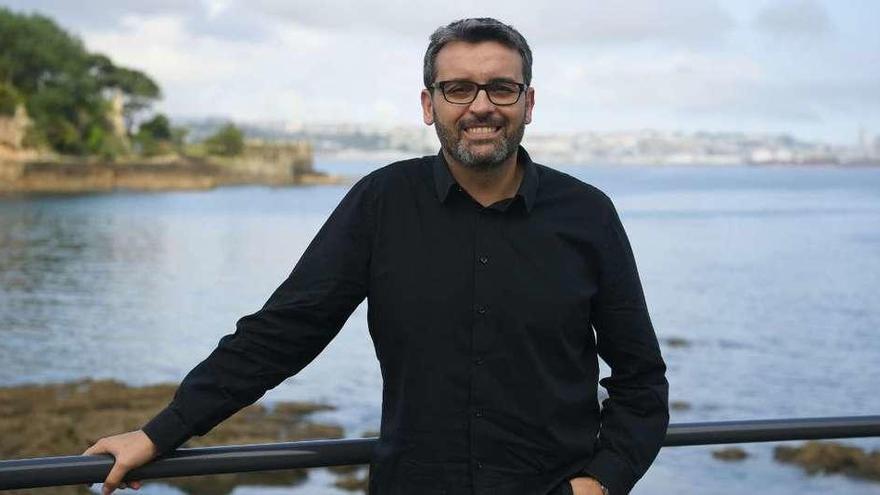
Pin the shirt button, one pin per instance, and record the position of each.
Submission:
(478, 413)
(478, 361)
(481, 309)
(479, 465)
(484, 259)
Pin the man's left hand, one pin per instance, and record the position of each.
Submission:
(585, 486)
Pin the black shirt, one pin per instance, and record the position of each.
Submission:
(486, 322)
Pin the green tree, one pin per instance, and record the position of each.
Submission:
(9, 100)
(227, 141)
(64, 87)
(159, 127)
(154, 136)
(138, 90)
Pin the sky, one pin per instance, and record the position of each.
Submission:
(809, 68)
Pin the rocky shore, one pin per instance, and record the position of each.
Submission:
(832, 458)
(84, 176)
(64, 419)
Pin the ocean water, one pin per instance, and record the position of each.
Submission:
(770, 273)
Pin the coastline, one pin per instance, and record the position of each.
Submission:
(76, 176)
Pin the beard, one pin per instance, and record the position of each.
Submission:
(505, 145)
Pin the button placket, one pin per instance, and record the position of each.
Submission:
(480, 337)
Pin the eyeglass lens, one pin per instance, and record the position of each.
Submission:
(500, 93)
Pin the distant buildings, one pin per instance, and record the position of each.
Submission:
(620, 147)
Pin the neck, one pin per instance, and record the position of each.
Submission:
(487, 186)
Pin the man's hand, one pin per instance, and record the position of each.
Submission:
(585, 486)
(131, 450)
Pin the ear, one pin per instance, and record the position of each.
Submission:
(427, 107)
(530, 103)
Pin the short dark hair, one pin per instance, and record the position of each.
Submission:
(475, 30)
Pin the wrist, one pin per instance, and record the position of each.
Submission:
(602, 487)
(598, 483)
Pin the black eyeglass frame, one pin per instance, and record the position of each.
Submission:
(480, 87)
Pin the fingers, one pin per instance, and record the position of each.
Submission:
(129, 450)
(96, 448)
(117, 472)
(91, 443)
(114, 479)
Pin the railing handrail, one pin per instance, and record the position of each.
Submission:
(75, 470)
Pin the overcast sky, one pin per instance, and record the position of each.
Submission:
(806, 67)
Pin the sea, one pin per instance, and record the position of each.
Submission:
(770, 276)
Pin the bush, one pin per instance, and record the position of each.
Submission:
(9, 100)
(158, 128)
(154, 136)
(227, 141)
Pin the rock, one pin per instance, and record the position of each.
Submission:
(677, 342)
(65, 418)
(349, 469)
(730, 454)
(224, 484)
(832, 458)
(353, 482)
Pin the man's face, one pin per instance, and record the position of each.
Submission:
(480, 135)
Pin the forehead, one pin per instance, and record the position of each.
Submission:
(479, 62)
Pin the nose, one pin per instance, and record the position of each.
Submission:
(482, 103)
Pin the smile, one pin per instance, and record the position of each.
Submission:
(483, 131)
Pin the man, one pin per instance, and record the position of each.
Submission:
(486, 275)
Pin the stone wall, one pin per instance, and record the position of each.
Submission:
(290, 159)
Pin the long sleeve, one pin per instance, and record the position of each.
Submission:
(636, 414)
(300, 318)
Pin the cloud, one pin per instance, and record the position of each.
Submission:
(578, 21)
(167, 50)
(102, 13)
(799, 18)
(633, 64)
(552, 21)
(216, 18)
(293, 72)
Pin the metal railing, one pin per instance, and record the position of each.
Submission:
(75, 470)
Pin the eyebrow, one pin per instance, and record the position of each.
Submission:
(493, 80)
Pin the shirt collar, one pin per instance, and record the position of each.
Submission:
(528, 188)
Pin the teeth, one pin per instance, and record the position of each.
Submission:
(481, 130)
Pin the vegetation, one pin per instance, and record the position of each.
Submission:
(154, 136)
(227, 141)
(9, 100)
(66, 89)
(72, 95)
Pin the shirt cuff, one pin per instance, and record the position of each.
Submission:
(611, 472)
(167, 431)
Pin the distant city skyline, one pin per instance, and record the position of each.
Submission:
(808, 68)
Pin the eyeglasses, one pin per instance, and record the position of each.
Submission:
(500, 93)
